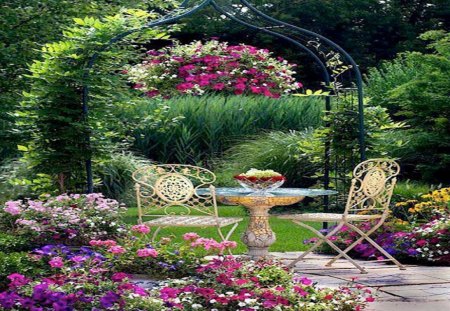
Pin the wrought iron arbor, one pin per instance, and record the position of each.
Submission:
(339, 71)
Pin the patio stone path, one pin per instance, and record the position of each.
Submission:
(418, 288)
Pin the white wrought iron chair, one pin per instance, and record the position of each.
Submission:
(368, 200)
(173, 195)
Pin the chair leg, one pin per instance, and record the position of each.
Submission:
(351, 246)
(226, 238)
(378, 247)
(325, 238)
(155, 234)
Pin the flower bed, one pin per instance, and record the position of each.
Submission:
(70, 219)
(425, 239)
(197, 68)
(222, 284)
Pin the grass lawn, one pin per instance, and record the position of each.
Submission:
(289, 236)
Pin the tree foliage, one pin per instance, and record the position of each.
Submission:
(52, 109)
(415, 87)
(25, 25)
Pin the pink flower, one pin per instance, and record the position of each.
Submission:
(116, 250)
(56, 262)
(421, 243)
(18, 280)
(229, 244)
(183, 87)
(306, 281)
(13, 207)
(370, 299)
(144, 229)
(147, 252)
(190, 236)
(218, 86)
(255, 89)
(119, 276)
(300, 291)
(107, 243)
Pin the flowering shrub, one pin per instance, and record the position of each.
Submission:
(198, 68)
(429, 207)
(430, 241)
(162, 259)
(387, 236)
(80, 290)
(222, 284)
(70, 219)
(233, 284)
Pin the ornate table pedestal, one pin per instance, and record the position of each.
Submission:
(258, 235)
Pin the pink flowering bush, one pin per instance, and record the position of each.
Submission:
(136, 254)
(431, 241)
(232, 284)
(70, 219)
(221, 284)
(198, 68)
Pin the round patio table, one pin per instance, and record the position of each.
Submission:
(258, 235)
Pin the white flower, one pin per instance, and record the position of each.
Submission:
(196, 306)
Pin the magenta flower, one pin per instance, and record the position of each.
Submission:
(17, 279)
(190, 236)
(147, 252)
(144, 229)
(119, 276)
(56, 262)
(116, 250)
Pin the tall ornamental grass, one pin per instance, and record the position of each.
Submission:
(211, 124)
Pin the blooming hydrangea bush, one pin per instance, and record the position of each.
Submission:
(70, 219)
(198, 68)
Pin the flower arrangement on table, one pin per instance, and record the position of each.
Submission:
(197, 68)
(260, 180)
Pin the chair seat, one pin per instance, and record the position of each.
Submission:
(328, 217)
(192, 221)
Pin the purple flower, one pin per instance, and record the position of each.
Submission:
(109, 299)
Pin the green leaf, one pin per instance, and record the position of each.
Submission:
(22, 148)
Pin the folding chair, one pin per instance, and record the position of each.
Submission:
(368, 200)
(172, 196)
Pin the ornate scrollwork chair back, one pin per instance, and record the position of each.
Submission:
(171, 189)
(372, 186)
(177, 195)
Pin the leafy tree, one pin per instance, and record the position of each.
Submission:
(51, 110)
(415, 87)
(25, 25)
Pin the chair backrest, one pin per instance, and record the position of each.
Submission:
(171, 189)
(372, 186)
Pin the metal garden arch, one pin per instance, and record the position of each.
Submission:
(339, 71)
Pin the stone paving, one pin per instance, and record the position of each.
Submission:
(421, 288)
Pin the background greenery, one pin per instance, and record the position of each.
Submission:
(41, 83)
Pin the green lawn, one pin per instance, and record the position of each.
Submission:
(289, 236)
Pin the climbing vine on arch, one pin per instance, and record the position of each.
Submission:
(51, 111)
